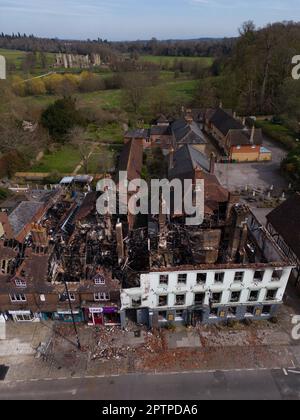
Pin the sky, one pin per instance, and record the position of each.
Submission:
(140, 19)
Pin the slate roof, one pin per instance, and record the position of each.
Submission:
(225, 122)
(186, 160)
(160, 130)
(138, 133)
(23, 215)
(188, 133)
(243, 137)
(286, 221)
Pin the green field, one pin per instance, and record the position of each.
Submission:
(16, 57)
(163, 60)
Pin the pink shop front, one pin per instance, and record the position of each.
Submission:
(106, 316)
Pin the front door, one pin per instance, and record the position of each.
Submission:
(98, 319)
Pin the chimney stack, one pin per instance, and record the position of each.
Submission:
(171, 158)
(120, 242)
(252, 134)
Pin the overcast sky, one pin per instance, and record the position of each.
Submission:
(140, 19)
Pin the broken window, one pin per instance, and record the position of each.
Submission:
(214, 312)
(164, 279)
(179, 315)
(163, 300)
(182, 278)
(64, 297)
(219, 277)
(266, 310)
(250, 310)
(259, 275)
(103, 296)
(6, 266)
(271, 294)
(201, 278)
(254, 295)
(199, 298)
(239, 276)
(232, 311)
(180, 300)
(17, 298)
(235, 297)
(277, 274)
(162, 315)
(216, 297)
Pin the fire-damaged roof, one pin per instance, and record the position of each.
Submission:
(225, 122)
(189, 133)
(88, 205)
(286, 221)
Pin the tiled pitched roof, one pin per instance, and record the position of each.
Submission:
(243, 137)
(188, 133)
(286, 221)
(186, 160)
(225, 122)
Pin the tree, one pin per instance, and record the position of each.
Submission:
(77, 137)
(35, 87)
(60, 117)
(135, 91)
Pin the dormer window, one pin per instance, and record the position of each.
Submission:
(20, 283)
(99, 280)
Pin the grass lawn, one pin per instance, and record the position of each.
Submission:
(13, 56)
(170, 60)
(278, 133)
(110, 133)
(16, 57)
(63, 161)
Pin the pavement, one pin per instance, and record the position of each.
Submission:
(255, 175)
(214, 385)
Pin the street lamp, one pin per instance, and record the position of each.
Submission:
(65, 297)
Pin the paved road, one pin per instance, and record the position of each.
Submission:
(237, 385)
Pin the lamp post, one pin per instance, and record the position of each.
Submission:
(72, 313)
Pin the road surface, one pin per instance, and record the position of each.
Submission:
(236, 385)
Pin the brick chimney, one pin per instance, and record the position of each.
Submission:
(252, 134)
(120, 242)
(171, 158)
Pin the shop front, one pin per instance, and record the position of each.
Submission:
(23, 316)
(106, 316)
(66, 316)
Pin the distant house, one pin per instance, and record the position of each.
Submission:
(239, 143)
(284, 226)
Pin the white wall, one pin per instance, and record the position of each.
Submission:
(151, 289)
